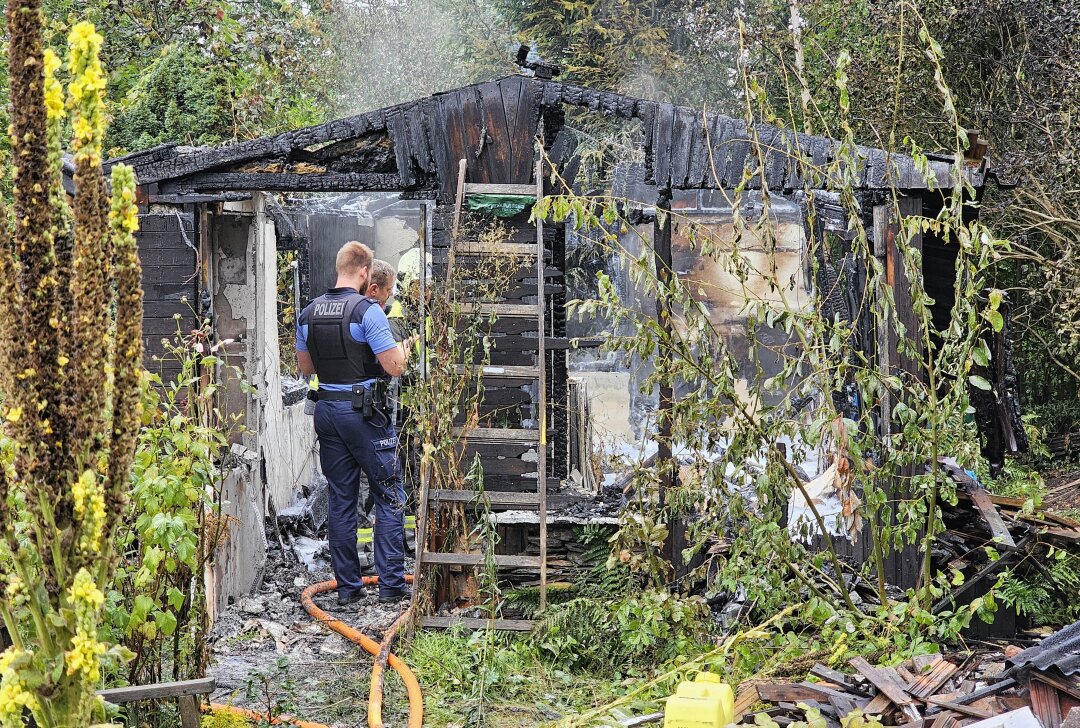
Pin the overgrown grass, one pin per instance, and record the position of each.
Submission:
(498, 679)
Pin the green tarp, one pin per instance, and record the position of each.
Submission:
(500, 205)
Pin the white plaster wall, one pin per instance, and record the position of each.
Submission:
(278, 445)
(609, 400)
(286, 437)
(241, 557)
(394, 236)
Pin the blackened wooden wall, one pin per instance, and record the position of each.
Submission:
(168, 251)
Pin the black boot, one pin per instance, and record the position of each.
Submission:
(344, 600)
(395, 596)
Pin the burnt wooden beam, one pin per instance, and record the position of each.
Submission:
(182, 164)
(664, 273)
(958, 708)
(985, 691)
(197, 198)
(664, 127)
(397, 127)
(286, 182)
(685, 126)
(373, 152)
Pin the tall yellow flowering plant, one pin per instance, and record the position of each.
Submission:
(70, 361)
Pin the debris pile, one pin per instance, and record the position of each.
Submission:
(308, 515)
(267, 648)
(1051, 671)
(1034, 688)
(1017, 534)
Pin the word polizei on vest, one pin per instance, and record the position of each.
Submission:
(330, 308)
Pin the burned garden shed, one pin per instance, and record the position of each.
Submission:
(209, 240)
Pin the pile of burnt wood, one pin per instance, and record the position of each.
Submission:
(1017, 536)
(1035, 688)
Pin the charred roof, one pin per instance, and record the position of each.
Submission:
(494, 126)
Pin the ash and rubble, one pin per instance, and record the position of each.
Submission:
(1037, 687)
(269, 633)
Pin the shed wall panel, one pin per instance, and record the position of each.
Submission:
(170, 283)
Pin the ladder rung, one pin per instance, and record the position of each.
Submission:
(507, 372)
(513, 625)
(499, 434)
(491, 497)
(479, 188)
(517, 310)
(483, 248)
(503, 560)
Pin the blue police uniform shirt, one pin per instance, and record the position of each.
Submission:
(372, 328)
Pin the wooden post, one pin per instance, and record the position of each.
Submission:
(882, 216)
(664, 273)
(662, 255)
(427, 212)
(902, 568)
(188, 707)
(458, 202)
(541, 397)
(462, 167)
(894, 266)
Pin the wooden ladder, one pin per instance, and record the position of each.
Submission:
(493, 435)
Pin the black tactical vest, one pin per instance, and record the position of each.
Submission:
(337, 356)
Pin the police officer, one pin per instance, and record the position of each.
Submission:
(381, 283)
(381, 288)
(344, 338)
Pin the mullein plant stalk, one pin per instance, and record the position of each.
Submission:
(70, 367)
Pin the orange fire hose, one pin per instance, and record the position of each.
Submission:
(375, 696)
(380, 651)
(412, 687)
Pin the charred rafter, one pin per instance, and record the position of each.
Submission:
(283, 182)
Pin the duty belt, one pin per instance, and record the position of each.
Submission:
(369, 401)
(323, 395)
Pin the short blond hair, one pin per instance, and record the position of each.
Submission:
(382, 275)
(352, 257)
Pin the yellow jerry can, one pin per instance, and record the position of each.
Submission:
(704, 703)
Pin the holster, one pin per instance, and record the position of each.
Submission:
(362, 401)
(370, 400)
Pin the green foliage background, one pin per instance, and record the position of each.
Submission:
(211, 71)
(205, 71)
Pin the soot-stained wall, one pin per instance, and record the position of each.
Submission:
(620, 410)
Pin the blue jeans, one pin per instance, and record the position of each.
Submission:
(348, 444)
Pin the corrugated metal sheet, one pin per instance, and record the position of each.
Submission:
(1060, 650)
